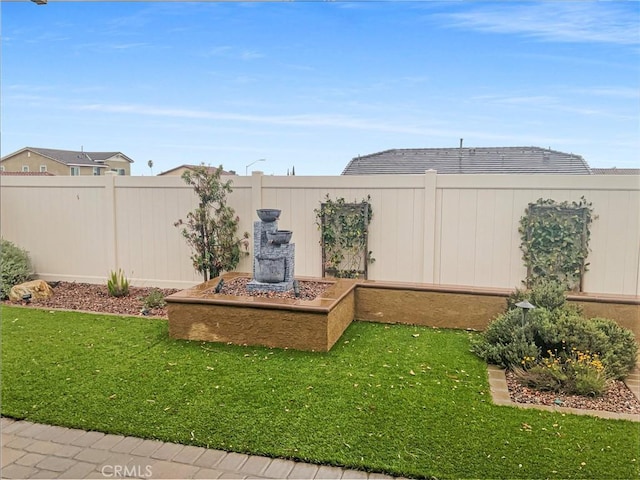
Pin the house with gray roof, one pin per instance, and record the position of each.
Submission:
(65, 162)
(477, 160)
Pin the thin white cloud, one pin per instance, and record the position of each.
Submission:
(250, 55)
(301, 120)
(102, 46)
(600, 22)
(550, 103)
(520, 100)
(613, 92)
(228, 51)
(126, 46)
(332, 121)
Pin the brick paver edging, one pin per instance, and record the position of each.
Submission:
(500, 396)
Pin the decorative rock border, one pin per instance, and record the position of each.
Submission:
(500, 396)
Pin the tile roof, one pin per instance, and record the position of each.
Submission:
(484, 160)
(615, 171)
(210, 169)
(74, 157)
(27, 174)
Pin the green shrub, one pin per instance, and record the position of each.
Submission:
(549, 294)
(15, 267)
(616, 346)
(117, 284)
(620, 353)
(508, 340)
(560, 328)
(565, 330)
(155, 299)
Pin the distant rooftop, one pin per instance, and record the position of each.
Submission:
(73, 157)
(483, 160)
(210, 169)
(27, 174)
(615, 171)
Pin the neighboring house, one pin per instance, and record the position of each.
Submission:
(615, 171)
(487, 160)
(66, 162)
(178, 171)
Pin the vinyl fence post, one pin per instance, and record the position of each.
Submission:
(429, 249)
(110, 222)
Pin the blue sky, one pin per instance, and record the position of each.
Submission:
(314, 84)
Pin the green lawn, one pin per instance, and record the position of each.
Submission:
(404, 400)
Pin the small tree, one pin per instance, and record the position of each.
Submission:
(211, 229)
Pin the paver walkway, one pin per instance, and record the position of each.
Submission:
(32, 450)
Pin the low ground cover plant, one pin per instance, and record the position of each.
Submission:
(408, 401)
(155, 299)
(15, 267)
(576, 372)
(553, 347)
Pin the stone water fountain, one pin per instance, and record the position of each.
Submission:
(310, 325)
(273, 255)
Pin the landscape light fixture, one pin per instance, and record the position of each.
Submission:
(246, 169)
(525, 306)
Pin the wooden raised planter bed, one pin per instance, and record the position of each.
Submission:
(316, 325)
(312, 325)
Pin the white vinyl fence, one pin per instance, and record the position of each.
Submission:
(441, 229)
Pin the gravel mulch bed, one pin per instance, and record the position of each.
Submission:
(95, 298)
(308, 290)
(618, 398)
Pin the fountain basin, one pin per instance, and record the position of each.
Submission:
(310, 325)
(268, 214)
(279, 237)
(270, 270)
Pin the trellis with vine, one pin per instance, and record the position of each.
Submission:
(344, 232)
(555, 241)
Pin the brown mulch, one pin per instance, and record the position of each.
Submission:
(95, 298)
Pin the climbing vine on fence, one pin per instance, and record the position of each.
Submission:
(344, 229)
(555, 241)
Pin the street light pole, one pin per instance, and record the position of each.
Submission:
(246, 169)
